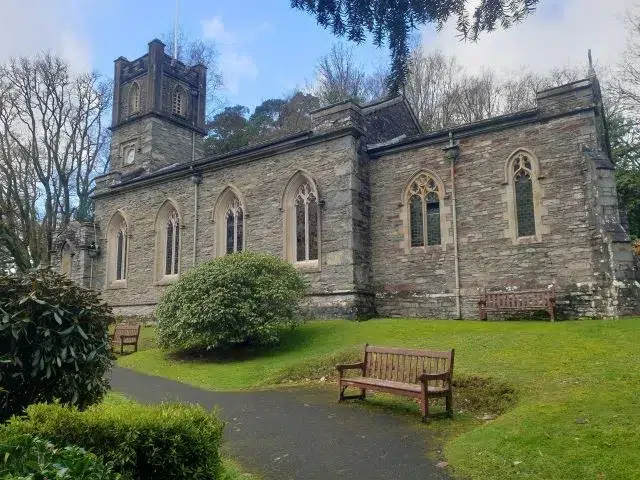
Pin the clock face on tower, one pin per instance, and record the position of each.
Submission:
(130, 156)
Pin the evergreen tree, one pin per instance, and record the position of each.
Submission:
(393, 20)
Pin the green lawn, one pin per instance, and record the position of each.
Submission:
(577, 413)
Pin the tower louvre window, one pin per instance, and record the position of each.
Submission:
(179, 102)
(134, 99)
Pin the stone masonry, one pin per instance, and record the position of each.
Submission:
(362, 158)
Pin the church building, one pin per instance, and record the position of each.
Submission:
(380, 217)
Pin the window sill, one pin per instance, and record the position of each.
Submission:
(308, 266)
(117, 285)
(528, 240)
(168, 280)
(426, 248)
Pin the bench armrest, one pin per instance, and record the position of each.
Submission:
(425, 377)
(350, 366)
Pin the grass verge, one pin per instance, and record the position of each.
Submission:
(570, 390)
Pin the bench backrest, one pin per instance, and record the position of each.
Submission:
(405, 365)
(124, 329)
(518, 300)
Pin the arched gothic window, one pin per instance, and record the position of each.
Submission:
(172, 244)
(134, 98)
(234, 227)
(423, 199)
(229, 216)
(168, 223)
(117, 250)
(523, 188)
(302, 220)
(121, 255)
(306, 207)
(179, 101)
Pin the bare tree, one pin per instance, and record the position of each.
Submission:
(196, 51)
(431, 85)
(52, 146)
(339, 77)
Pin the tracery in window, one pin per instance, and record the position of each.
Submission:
(306, 217)
(302, 221)
(523, 186)
(179, 101)
(424, 211)
(234, 227)
(134, 99)
(172, 244)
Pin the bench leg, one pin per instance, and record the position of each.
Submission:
(424, 405)
(121, 348)
(341, 395)
(449, 401)
(363, 393)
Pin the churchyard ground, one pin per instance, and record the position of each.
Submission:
(566, 395)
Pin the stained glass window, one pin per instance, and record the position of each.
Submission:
(306, 218)
(230, 232)
(121, 255)
(235, 227)
(424, 212)
(433, 219)
(523, 185)
(417, 223)
(172, 245)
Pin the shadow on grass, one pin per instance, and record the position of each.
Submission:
(291, 339)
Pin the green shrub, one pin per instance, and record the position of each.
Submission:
(143, 442)
(244, 298)
(23, 457)
(53, 342)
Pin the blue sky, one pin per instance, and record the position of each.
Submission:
(267, 49)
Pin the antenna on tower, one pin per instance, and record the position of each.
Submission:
(176, 24)
(591, 69)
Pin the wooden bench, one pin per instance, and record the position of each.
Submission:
(418, 374)
(125, 334)
(518, 301)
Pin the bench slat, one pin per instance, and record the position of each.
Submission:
(404, 351)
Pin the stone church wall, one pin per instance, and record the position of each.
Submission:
(261, 185)
(568, 254)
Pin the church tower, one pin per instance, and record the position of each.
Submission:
(158, 112)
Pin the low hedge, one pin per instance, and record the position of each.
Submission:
(175, 441)
(24, 457)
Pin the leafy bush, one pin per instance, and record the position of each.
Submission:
(23, 457)
(144, 442)
(244, 298)
(54, 342)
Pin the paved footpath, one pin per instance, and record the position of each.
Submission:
(296, 435)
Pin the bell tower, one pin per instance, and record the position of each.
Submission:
(158, 112)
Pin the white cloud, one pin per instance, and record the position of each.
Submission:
(235, 69)
(29, 27)
(215, 30)
(558, 34)
(236, 66)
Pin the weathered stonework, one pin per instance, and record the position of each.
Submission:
(361, 160)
